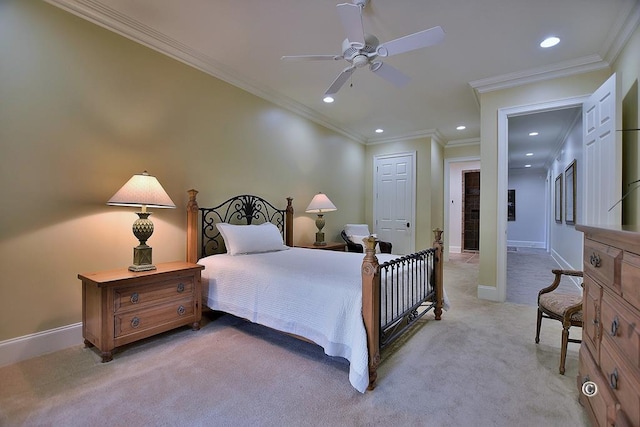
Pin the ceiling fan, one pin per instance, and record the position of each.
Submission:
(360, 49)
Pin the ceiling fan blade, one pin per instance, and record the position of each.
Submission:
(311, 57)
(351, 17)
(411, 42)
(340, 80)
(390, 74)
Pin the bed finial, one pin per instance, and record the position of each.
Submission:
(192, 227)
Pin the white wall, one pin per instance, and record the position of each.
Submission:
(529, 228)
(565, 241)
(455, 202)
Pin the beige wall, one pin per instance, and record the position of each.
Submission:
(429, 184)
(490, 103)
(83, 109)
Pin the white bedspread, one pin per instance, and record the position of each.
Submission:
(316, 294)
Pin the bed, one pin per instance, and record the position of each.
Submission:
(350, 305)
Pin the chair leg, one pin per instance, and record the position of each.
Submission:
(538, 326)
(563, 349)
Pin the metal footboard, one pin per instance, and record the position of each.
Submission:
(407, 292)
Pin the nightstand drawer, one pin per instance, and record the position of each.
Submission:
(142, 320)
(631, 278)
(141, 296)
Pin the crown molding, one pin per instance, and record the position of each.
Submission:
(562, 69)
(463, 142)
(621, 32)
(434, 134)
(106, 17)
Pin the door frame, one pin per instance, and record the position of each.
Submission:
(447, 192)
(376, 158)
(499, 292)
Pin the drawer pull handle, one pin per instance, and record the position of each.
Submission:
(181, 288)
(135, 322)
(615, 324)
(181, 310)
(613, 379)
(134, 298)
(594, 260)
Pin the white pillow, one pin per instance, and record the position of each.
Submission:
(356, 230)
(248, 239)
(359, 240)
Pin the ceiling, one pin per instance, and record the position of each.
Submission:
(488, 45)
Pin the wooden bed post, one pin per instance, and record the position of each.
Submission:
(371, 307)
(439, 273)
(192, 227)
(288, 229)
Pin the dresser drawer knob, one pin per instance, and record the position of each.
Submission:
(594, 260)
(135, 322)
(134, 298)
(180, 288)
(615, 324)
(613, 379)
(181, 310)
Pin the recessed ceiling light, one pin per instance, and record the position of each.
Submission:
(533, 133)
(328, 99)
(379, 130)
(550, 42)
(527, 166)
(529, 154)
(461, 127)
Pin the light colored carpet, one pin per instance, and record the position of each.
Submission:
(528, 271)
(479, 366)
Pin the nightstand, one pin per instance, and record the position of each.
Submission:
(120, 306)
(330, 246)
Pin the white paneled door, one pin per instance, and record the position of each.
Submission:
(394, 200)
(603, 156)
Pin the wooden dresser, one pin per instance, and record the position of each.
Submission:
(610, 350)
(121, 306)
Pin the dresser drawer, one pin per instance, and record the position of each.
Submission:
(620, 323)
(622, 379)
(631, 278)
(137, 321)
(603, 263)
(133, 297)
(602, 404)
(592, 329)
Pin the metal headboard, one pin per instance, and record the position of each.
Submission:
(242, 210)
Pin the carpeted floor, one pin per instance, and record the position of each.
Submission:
(479, 366)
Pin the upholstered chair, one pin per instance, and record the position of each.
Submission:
(353, 234)
(563, 307)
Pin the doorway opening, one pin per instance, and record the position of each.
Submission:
(471, 211)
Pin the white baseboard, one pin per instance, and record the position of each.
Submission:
(489, 293)
(526, 244)
(33, 345)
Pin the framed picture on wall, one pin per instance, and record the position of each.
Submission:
(570, 198)
(558, 198)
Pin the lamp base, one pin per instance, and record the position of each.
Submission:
(142, 259)
(320, 240)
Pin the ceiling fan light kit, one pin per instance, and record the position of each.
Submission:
(360, 49)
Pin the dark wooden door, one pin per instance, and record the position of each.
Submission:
(471, 210)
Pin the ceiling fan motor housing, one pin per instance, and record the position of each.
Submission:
(368, 51)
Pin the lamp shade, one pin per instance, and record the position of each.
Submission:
(142, 190)
(320, 204)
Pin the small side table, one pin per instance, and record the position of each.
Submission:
(120, 306)
(330, 246)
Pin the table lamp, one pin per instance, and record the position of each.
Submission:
(142, 190)
(319, 205)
